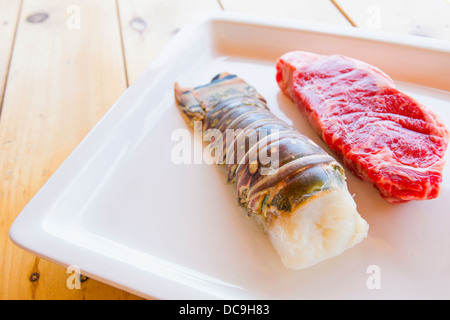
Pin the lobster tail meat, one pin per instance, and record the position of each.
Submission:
(291, 186)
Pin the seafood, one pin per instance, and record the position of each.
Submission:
(291, 186)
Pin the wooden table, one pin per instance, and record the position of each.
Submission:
(63, 63)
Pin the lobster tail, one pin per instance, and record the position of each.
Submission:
(292, 187)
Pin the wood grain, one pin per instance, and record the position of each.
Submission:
(414, 17)
(148, 26)
(64, 74)
(9, 13)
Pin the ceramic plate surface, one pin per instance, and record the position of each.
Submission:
(125, 212)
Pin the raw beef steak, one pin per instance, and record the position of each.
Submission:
(381, 134)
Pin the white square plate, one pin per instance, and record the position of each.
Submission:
(121, 210)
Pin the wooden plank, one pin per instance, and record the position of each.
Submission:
(415, 17)
(149, 25)
(322, 11)
(66, 71)
(9, 13)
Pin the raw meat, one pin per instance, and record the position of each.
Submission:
(381, 134)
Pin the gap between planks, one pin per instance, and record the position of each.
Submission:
(122, 44)
(342, 11)
(220, 5)
(8, 64)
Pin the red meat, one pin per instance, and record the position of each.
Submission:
(381, 134)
